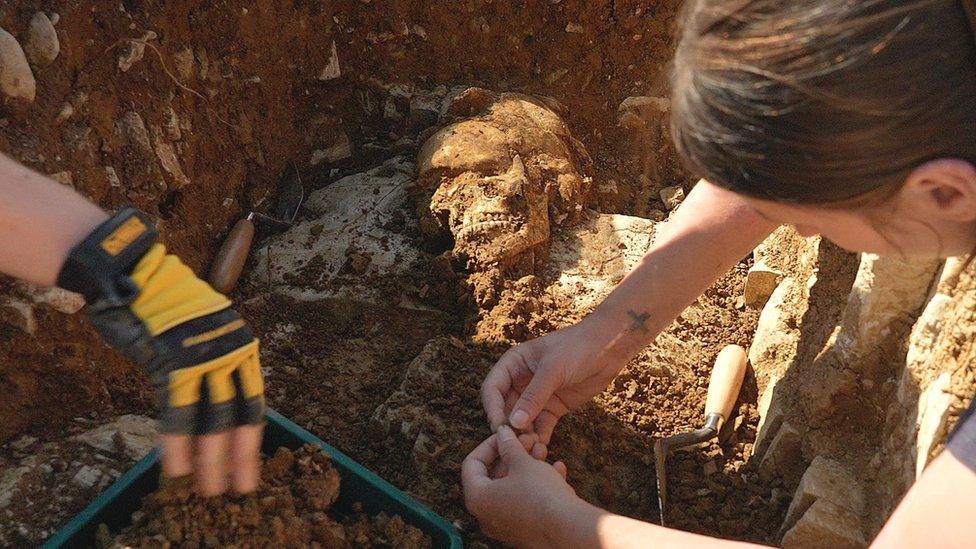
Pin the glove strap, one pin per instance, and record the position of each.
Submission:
(98, 266)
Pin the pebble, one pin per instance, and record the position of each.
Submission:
(16, 78)
(66, 112)
(331, 69)
(134, 129)
(42, 45)
(60, 300)
(112, 177)
(574, 28)
(87, 477)
(672, 196)
(134, 51)
(18, 313)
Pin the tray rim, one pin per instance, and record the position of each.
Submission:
(142, 467)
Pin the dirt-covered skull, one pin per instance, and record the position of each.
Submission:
(498, 179)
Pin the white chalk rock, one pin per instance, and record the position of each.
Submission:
(132, 435)
(42, 46)
(18, 313)
(16, 78)
(58, 299)
(331, 70)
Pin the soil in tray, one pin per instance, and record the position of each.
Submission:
(291, 508)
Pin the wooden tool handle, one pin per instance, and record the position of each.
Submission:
(726, 380)
(229, 263)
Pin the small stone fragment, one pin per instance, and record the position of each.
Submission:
(183, 60)
(672, 196)
(87, 477)
(18, 313)
(171, 124)
(113, 177)
(575, 28)
(58, 299)
(761, 282)
(42, 46)
(134, 130)
(64, 178)
(170, 163)
(134, 50)
(16, 79)
(710, 468)
(331, 70)
(66, 112)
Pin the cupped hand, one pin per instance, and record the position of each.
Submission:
(537, 382)
(511, 492)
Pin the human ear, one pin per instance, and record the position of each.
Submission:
(943, 189)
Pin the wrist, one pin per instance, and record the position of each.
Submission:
(570, 522)
(611, 343)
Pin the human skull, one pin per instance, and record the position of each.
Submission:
(497, 181)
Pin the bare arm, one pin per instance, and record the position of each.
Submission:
(40, 221)
(938, 510)
(577, 524)
(711, 232)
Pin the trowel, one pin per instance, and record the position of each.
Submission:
(723, 391)
(232, 255)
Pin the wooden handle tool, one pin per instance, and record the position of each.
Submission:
(724, 385)
(229, 262)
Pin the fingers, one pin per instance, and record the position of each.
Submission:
(496, 386)
(176, 455)
(560, 468)
(534, 398)
(245, 451)
(211, 463)
(510, 449)
(474, 468)
(545, 423)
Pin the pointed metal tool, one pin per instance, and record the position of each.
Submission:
(723, 391)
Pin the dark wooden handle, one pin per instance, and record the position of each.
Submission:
(229, 263)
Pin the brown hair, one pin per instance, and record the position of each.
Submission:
(822, 101)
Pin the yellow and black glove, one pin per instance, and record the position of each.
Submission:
(199, 353)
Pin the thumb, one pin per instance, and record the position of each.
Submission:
(533, 399)
(510, 448)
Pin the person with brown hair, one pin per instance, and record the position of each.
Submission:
(852, 120)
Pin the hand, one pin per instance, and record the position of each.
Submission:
(198, 352)
(510, 492)
(537, 382)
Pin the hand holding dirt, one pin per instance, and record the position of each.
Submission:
(537, 382)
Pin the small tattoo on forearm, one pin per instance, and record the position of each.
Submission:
(639, 323)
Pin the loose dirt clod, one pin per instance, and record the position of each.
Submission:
(291, 508)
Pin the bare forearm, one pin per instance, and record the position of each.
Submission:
(577, 524)
(40, 221)
(710, 233)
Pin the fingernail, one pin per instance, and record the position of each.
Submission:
(505, 433)
(519, 418)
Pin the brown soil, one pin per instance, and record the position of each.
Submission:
(396, 388)
(291, 508)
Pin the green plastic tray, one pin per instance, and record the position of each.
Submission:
(115, 505)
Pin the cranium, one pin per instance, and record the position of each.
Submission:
(497, 181)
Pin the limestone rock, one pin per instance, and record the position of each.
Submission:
(761, 282)
(825, 525)
(87, 477)
(42, 45)
(16, 79)
(933, 412)
(134, 51)
(131, 435)
(784, 458)
(829, 480)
